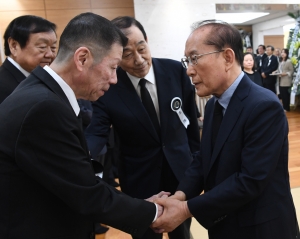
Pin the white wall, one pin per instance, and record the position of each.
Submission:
(167, 22)
(269, 28)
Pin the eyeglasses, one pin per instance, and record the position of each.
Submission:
(194, 58)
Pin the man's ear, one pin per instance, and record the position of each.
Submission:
(83, 58)
(229, 57)
(13, 46)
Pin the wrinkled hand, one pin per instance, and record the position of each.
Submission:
(179, 195)
(175, 212)
(162, 194)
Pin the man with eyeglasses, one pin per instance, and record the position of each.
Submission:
(155, 146)
(242, 166)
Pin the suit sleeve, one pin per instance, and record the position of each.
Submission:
(53, 156)
(265, 133)
(190, 109)
(97, 133)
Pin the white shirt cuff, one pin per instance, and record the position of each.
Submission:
(155, 213)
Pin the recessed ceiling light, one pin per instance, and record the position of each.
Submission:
(236, 18)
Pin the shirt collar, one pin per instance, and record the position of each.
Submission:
(149, 77)
(66, 89)
(25, 73)
(226, 96)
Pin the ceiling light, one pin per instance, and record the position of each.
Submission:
(236, 18)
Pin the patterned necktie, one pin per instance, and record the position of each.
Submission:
(217, 120)
(148, 104)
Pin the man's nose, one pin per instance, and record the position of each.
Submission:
(113, 80)
(138, 59)
(190, 71)
(49, 53)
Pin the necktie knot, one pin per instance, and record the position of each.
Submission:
(218, 108)
(142, 82)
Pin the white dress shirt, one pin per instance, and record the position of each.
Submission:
(25, 73)
(66, 89)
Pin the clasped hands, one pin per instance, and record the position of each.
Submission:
(172, 211)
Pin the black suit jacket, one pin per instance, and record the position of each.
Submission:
(245, 177)
(48, 187)
(270, 65)
(259, 60)
(142, 150)
(10, 78)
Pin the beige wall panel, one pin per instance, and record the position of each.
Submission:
(111, 13)
(62, 17)
(20, 5)
(7, 17)
(111, 3)
(67, 4)
(276, 40)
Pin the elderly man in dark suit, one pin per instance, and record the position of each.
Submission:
(29, 41)
(243, 162)
(156, 141)
(47, 183)
(261, 56)
(269, 65)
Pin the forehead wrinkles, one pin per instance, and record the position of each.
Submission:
(196, 41)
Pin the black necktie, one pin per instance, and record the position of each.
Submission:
(217, 120)
(148, 104)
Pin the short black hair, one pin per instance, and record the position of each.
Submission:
(227, 36)
(263, 46)
(125, 22)
(249, 47)
(272, 47)
(21, 27)
(92, 31)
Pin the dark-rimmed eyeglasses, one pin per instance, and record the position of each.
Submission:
(192, 60)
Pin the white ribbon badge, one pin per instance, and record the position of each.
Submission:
(176, 106)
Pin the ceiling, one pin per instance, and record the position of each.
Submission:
(275, 10)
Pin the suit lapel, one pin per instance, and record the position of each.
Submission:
(17, 74)
(206, 135)
(163, 94)
(231, 116)
(47, 79)
(129, 96)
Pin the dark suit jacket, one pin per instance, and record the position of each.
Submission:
(245, 178)
(141, 149)
(10, 78)
(48, 187)
(270, 65)
(260, 59)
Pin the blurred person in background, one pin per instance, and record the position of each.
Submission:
(249, 69)
(286, 70)
(29, 41)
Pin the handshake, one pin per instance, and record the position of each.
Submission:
(171, 211)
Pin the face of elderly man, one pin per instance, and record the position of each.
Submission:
(206, 78)
(136, 59)
(40, 50)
